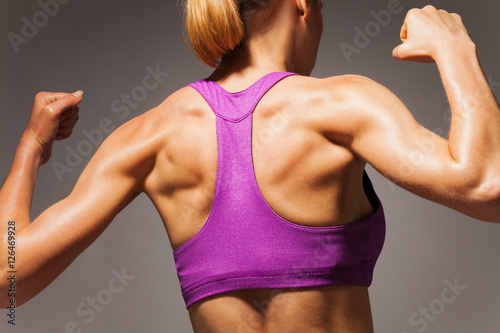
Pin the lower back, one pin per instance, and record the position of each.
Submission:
(332, 309)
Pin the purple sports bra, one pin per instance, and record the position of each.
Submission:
(244, 244)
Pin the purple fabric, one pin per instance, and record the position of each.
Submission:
(244, 244)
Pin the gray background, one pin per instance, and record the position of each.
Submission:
(103, 47)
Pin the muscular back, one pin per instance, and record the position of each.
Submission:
(302, 173)
(304, 176)
(311, 139)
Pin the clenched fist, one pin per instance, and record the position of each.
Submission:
(429, 33)
(53, 117)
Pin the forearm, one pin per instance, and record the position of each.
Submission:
(16, 193)
(15, 205)
(474, 138)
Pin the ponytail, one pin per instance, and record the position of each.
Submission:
(214, 28)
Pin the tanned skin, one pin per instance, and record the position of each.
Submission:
(329, 132)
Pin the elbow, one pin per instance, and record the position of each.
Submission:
(9, 298)
(487, 192)
(485, 199)
(4, 287)
(9, 292)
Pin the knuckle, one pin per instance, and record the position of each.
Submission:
(41, 95)
(50, 110)
(412, 12)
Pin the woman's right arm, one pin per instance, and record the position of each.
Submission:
(462, 172)
(39, 251)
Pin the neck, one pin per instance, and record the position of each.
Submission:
(269, 51)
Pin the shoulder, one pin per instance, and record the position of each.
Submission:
(139, 140)
(154, 123)
(150, 129)
(359, 94)
(341, 91)
(350, 104)
(338, 81)
(357, 87)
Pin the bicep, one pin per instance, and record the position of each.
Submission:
(386, 135)
(75, 222)
(61, 233)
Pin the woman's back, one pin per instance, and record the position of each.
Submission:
(303, 176)
(310, 141)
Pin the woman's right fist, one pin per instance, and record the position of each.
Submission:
(53, 117)
(427, 33)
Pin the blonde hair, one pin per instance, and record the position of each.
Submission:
(216, 27)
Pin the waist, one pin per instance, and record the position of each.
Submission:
(278, 254)
(337, 309)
